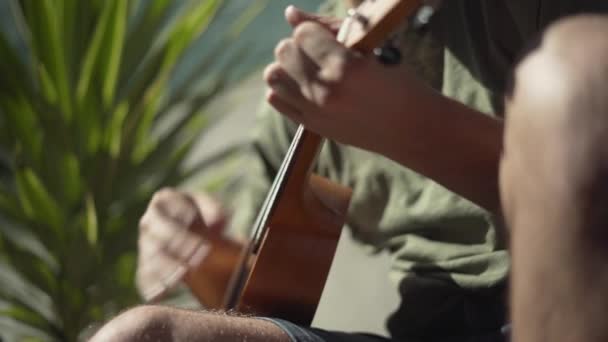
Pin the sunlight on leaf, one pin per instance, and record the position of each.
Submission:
(36, 200)
(91, 225)
(114, 130)
(50, 15)
(72, 184)
(93, 53)
(48, 88)
(113, 51)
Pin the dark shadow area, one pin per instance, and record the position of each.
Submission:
(449, 310)
(498, 33)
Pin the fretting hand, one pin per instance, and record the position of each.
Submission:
(339, 93)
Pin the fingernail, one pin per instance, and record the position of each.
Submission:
(291, 14)
(290, 9)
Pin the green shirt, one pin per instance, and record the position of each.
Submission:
(449, 260)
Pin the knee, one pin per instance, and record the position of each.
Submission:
(571, 62)
(144, 323)
(556, 130)
(559, 104)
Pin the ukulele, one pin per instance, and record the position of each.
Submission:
(283, 269)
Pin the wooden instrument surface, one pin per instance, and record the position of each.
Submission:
(283, 270)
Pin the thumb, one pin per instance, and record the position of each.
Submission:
(295, 17)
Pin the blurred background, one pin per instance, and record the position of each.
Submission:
(102, 102)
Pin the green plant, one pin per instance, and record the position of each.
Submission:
(92, 121)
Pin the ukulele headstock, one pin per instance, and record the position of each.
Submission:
(372, 21)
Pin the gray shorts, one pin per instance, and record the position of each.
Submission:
(306, 334)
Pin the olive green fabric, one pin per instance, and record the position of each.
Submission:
(448, 258)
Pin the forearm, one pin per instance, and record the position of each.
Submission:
(456, 146)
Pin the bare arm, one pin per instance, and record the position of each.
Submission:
(454, 145)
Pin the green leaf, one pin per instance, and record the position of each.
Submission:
(94, 52)
(125, 269)
(17, 228)
(32, 269)
(72, 182)
(115, 128)
(89, 129)
(91, 225)
(152, 101)
(12, 329)
(18, 236)
(36, 201)
(113, 51)
(9, 205)
(69, 36)
(49, 14)
(23, 122)
(141, 37)
(191, 26)
(14, 288)
(46, 83)
(24, 315)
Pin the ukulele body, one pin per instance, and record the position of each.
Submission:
(288, 270)
(283, 271)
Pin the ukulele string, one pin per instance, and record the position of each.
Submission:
(277, 185)
(269, 204)
(260, 226)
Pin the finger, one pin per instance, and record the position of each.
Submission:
(178, 207)
(184, 246)
(147, 246)
(296, 64)
(159, 270)
(153, 283)
(162, 237)
(156, 274)
(295, 17)
(159, 266)
(161, 227)
(285, 87)
(159, 195)
(284, 107)
(320, 45)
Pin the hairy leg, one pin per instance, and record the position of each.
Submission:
(157, 323)
(554, 185)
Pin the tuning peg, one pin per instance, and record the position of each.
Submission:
(388, 54)
(424, 14)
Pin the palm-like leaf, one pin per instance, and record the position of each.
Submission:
(92, 121)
